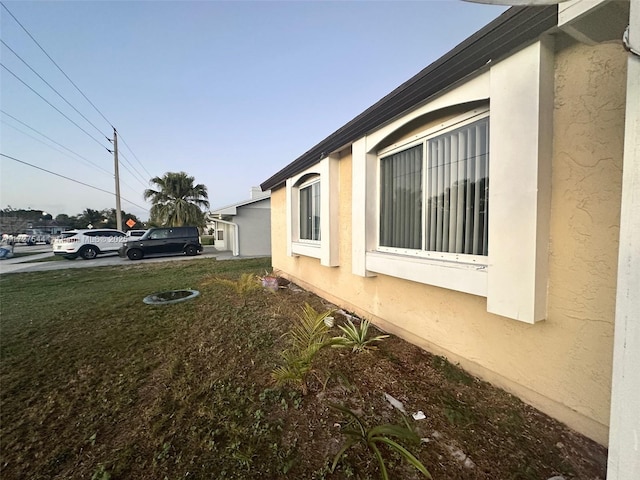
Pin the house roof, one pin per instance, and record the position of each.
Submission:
(515, 27)
(232, 209)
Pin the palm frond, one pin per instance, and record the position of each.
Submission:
(176, 201)
(307, 337)
(310, 331)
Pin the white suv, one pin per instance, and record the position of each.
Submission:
(88, 243)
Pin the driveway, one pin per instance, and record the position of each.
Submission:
(28, 263)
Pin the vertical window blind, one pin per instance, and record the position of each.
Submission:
(458, 178)
(456, 188)
(401, 199)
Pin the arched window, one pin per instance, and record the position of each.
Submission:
(309, 208)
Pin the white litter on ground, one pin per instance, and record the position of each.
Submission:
(395, 403)
(460, 456)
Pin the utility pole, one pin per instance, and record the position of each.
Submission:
(117, 175)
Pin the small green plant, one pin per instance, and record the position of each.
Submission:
(294, 371)
(356, 337)
(307, 337)
(246, 284)
(452, 372)
(310, 334)
(373, 438)
(101, 473)
(456, 411)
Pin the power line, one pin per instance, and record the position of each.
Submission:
(134, 155)
(138, 178)
(71, 81)
(53, 106)
(52, 140)
(134, 168)
(127, 169)
(70, 179)
(46, 144)
(60, 151)
(49, 85)
(53, 61)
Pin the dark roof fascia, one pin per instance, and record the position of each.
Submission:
(514, 28)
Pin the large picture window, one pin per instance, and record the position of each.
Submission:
(434, 195)
(309, 194)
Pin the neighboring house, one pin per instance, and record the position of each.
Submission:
(475, 211)
(244, 228)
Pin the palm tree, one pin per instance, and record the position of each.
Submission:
(177, 201)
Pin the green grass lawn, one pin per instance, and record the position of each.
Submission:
(97, 385)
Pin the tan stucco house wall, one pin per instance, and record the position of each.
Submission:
(558, 355)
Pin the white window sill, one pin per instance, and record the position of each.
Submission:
(453, 275)
(306, 249)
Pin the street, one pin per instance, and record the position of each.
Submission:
(27, 263)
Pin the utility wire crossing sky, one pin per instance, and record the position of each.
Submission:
(229, 92)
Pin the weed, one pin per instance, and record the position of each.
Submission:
(457, 412)
(525, 472)
(341, 380)
(373, 438)
(101, 473)
(163, 454)
(452, 372)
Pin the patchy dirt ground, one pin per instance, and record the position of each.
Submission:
(105, 388)
(471, 429)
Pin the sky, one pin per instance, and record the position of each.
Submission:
(228, 92)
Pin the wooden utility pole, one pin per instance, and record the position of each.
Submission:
(117, 175)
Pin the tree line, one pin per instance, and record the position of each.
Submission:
(175, 201)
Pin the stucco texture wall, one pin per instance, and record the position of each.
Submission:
(561, 365)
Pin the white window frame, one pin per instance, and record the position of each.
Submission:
(309, 184)
(520, 91)
(326, 249)
(421, 139)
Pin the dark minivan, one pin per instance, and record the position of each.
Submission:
(163, 240)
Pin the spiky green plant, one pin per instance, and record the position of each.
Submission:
(246, 284)
(372, 438)
(307, 337)
(356, 337)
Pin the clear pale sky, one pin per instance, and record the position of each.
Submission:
(229, 92)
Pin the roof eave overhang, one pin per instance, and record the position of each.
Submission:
(514, 28)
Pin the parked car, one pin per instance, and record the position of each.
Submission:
(88, 244)
(135, 233)
(184, 240)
